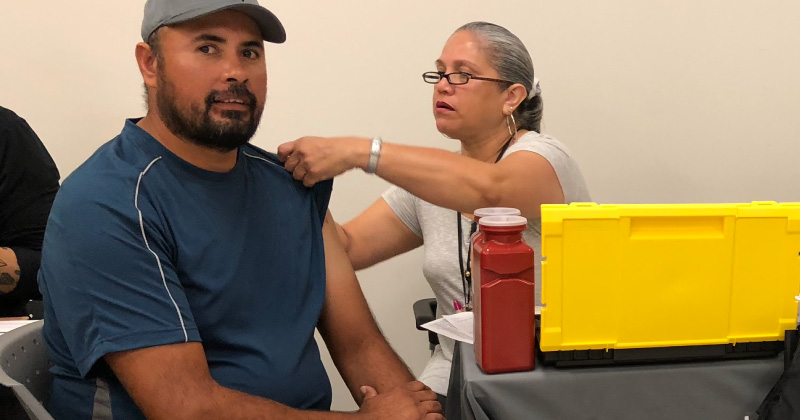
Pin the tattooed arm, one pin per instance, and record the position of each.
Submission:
(28, 185)
(9, 270)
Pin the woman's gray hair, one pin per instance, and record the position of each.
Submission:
(509, 57)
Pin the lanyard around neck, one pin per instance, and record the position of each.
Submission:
(466, 274)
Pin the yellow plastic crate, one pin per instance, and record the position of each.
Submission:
(644, 276)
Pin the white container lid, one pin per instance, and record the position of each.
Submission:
(503, 221)
(496, 211)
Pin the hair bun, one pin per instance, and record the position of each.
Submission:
(536, 90)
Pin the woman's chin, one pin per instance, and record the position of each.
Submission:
(446, 130)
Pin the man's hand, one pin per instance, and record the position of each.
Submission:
(411, 401)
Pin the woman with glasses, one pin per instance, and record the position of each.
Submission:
(485, 96)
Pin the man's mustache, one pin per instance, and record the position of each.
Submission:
(236, 92)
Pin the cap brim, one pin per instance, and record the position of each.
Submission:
(269, 25)
(271, 28)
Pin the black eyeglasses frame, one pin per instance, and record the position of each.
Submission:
(442, 75)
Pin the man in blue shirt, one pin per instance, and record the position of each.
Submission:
(184, 270)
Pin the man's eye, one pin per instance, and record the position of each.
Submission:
(206, 49)
(250, 54)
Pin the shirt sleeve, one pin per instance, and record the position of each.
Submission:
(404, 205)
(109, 274)
(321, 192)
(28, 185)
(557, 154)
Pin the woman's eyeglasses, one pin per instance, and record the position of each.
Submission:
(456, 78)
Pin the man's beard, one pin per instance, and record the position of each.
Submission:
(196, 125)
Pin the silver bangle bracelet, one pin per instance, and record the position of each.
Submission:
(374, 155)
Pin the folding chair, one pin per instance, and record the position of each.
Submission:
(26, 369)
(425, 311)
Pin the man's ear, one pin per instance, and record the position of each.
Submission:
(148, 64)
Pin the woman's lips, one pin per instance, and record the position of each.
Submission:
(442, 106)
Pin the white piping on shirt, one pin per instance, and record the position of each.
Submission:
(158, 260)
(261, 158)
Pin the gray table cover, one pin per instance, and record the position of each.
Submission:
(716, 390)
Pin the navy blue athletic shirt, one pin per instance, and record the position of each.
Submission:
(144, 249)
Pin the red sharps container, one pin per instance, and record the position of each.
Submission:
(490, 211)
(503, 296)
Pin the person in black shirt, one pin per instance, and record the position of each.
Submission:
(28, 185)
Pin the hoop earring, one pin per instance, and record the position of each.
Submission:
(509, 124)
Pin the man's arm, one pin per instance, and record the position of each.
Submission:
(9, 270)
(29, 184)
(357, 346)
(173, 381)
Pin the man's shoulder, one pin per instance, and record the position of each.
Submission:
(259, 154)
(15, 131)
(321, 191)
(8, 116)
(112, 170)
(271, 164)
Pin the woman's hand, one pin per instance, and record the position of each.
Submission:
(315, 159)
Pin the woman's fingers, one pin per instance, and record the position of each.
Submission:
(285, 150)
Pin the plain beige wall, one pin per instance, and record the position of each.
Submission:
(659, 101)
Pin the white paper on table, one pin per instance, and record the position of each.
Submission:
(6, 326)
(458, 326)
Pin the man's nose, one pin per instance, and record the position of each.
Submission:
(234, 69)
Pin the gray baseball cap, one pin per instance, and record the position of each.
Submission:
(158, 13)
